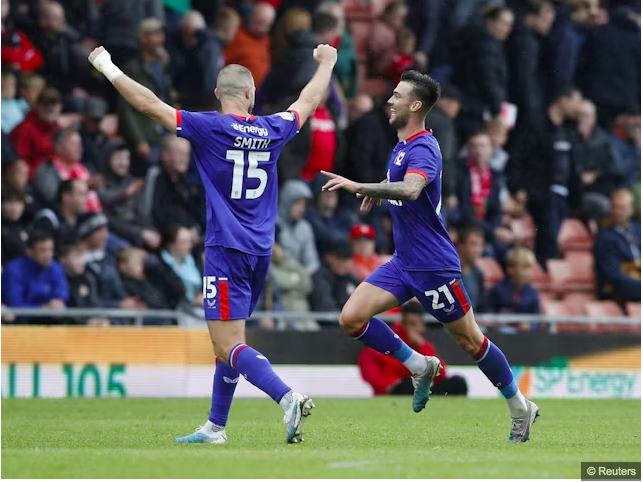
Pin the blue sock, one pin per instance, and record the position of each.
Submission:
(257, 370)
(494, 365)
(223, 387)
(378, 335)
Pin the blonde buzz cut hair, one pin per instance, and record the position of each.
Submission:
(233, 80)
(520, 257)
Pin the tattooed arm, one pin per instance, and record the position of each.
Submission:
(407, 190)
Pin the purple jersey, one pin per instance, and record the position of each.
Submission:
(422, 242)
(237, 161)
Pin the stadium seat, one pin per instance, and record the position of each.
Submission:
(609, 309)
(561, 309)
(540, 278)
(68, 119)
(574, 236)
(109, 125)
(491, 271)
(633, 310)
(575, 303)
(572, 274)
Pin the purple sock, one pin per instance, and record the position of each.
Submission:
(378, 335)
(223, 387)
(494, 365)
(257, 370)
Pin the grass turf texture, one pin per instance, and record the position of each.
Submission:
(452, 437)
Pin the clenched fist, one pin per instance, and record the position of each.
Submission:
(95, 53)
(325, 54)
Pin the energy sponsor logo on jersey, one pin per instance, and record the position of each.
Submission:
(260, 131)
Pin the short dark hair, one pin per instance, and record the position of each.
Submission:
(323, 22)
(534, 7)
(37, 236)
(413, 307)
(66, 249)
(12, 193)
(468, 231)
(565, 90)
(493, 12)
(425, 89)
(170, 233)
(65, 187)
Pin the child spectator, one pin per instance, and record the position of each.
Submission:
(154, 292)
(83, 287)
(515, 294)
(365, 259)
(333, 281)
(13, 109)
(470, 247)
(14, 234)
(403, 57)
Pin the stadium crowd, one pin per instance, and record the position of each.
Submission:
(103, 208)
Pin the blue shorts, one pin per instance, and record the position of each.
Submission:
(442, 294)
(232, 283)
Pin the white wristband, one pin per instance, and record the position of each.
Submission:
(103, 63)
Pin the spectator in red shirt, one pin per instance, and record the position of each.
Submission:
(403, 56)
(388, 376)
(323, 142)
(65, 164)
(17, 50)
(34, 136)
(365, 259)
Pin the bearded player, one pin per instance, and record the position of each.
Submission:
(236, 154)
(425, 264)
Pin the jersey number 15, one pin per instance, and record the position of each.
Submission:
(254, 172)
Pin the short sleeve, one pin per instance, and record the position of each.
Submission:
(193, 126)
(426, 161)
(287, 122)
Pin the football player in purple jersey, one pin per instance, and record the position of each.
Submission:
(426, 263)
(236, 154)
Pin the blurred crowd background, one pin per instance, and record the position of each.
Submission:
(101, 208)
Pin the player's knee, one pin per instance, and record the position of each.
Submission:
(351, 320)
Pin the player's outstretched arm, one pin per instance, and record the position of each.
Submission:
(408, 189)
(312, 94)
(138, 96)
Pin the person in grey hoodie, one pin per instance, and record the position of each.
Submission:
(295, 233)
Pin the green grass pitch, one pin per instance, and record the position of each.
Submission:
(378, 438)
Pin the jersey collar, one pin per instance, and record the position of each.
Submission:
(416, 135)
(240, 117)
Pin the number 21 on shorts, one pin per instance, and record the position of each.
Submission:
(435, 297)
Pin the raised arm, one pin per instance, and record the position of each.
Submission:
(408, 189)
(137, 95)
(312, 95)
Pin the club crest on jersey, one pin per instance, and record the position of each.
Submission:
(398, 159)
